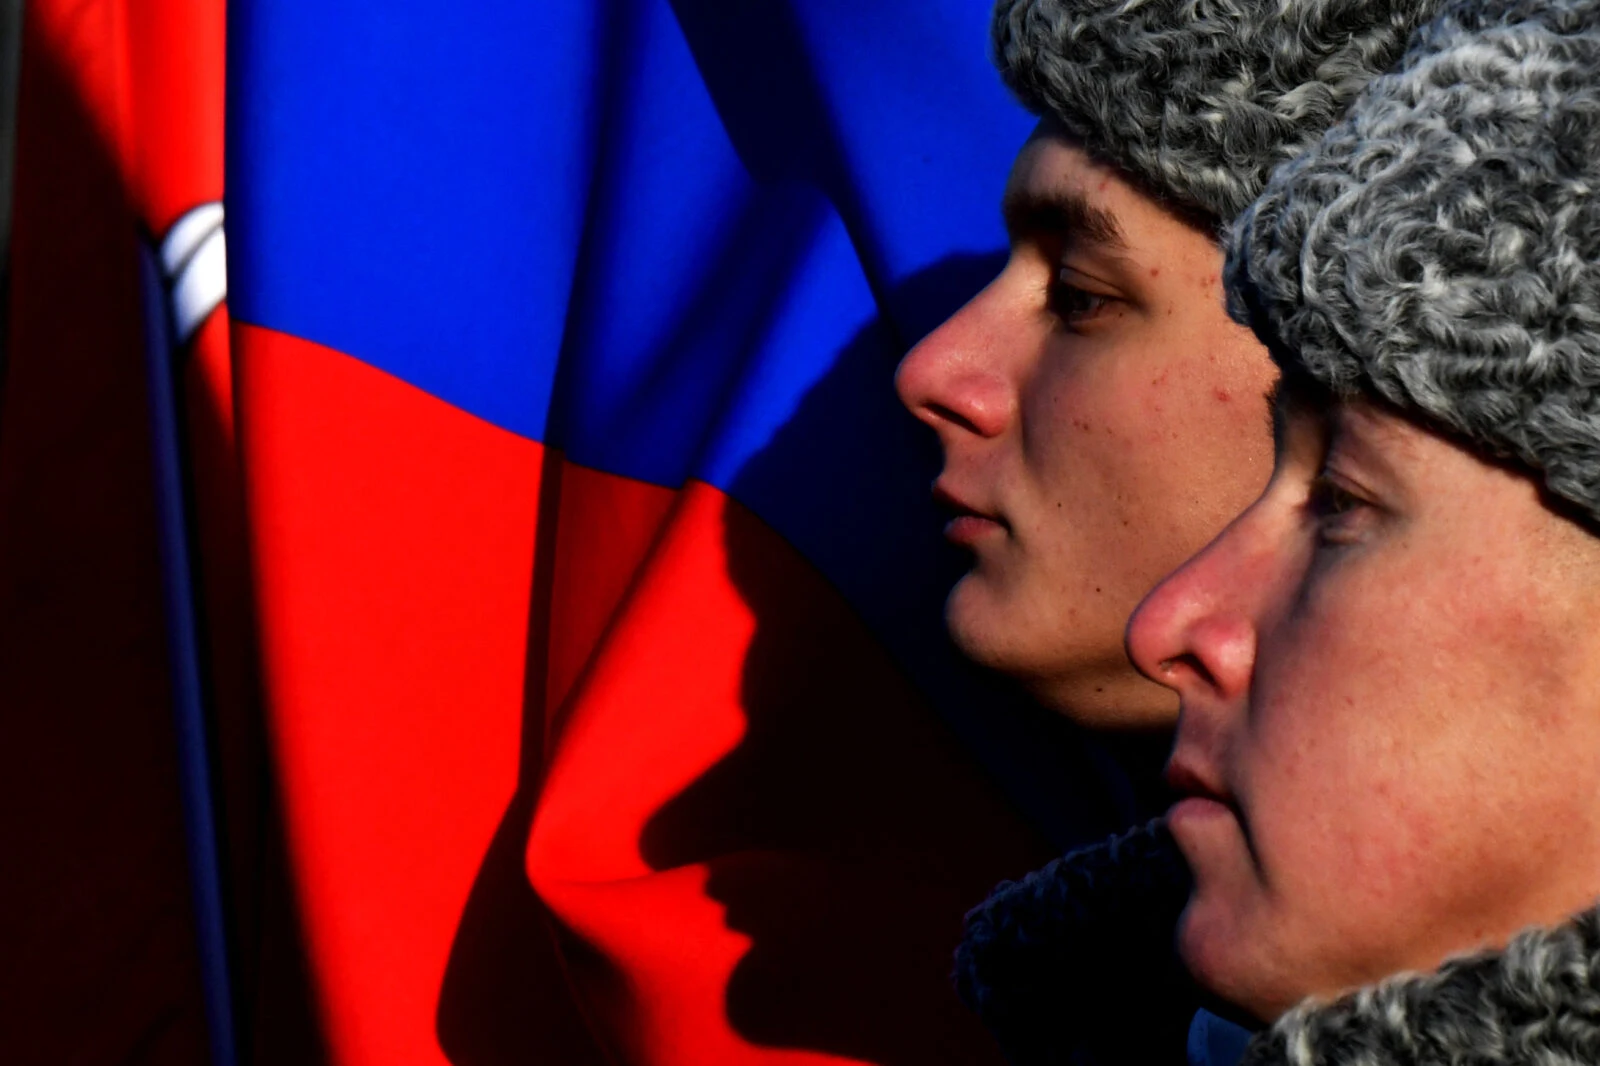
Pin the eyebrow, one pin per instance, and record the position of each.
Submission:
(1061, 214)
(1292, 392)
(1379, 451)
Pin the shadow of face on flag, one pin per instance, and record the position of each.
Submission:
(599, 580)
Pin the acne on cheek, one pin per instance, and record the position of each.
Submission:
(1195, 396)
(1155, 406)
(1083, 425)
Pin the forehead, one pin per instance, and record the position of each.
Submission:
(1367, 423)
(1052, 166)
(1050, 159)
(1356, 426)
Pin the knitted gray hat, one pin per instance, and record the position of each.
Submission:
(1440, 248)
(1198, 100)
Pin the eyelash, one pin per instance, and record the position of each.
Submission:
(1333, 505)
(1060, 290)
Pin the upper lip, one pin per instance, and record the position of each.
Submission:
(1189, 777)
(947, 499)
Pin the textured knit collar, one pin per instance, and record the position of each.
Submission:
(1536, 1003)
(1074, 963)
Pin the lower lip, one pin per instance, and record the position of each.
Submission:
(969, 529)
(1196, 810)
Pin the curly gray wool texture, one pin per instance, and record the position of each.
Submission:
(1198, 99)
(1440, 247)
(1535, 1003)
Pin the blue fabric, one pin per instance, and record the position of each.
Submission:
(682, 213)
(647, 233)
(1215, 1041)
(683, 239)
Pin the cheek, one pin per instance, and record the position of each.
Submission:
(1412, 770)
(1214, 403)
(1359, 728)
(1183, 410)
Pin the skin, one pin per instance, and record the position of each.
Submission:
(1389, 674)
(1101, 419)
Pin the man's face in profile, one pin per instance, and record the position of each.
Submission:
(1390, 739)
(1101, 420)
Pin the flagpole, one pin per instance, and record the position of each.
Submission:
(194, 757)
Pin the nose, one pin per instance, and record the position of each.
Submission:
(955, 380)
(1196, 631)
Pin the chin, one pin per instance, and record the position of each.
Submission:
(1205, 950)
(981, 635)
(978, 627)
(1226, 961)
(1100, 691)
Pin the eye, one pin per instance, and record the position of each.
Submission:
(1339, 513)
(1074, 304)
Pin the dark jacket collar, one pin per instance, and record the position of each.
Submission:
(1074, 964)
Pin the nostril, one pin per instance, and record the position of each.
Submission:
(1170, 671)
(938, 412)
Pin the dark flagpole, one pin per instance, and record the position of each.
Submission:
(183, 645)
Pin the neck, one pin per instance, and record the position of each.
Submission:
(1535, 1002)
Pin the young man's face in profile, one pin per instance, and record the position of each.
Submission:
(1101, 420)
(1390, 738)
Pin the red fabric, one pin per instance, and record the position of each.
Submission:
(394, 541)
(573, 769)
(97, 935)
(752, 815)
(747, 839)
(175, 51)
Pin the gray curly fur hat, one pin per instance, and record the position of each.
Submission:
(1440, 248)
(1198, 100)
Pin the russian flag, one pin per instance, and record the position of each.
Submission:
(549, 500)
(598, 582)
